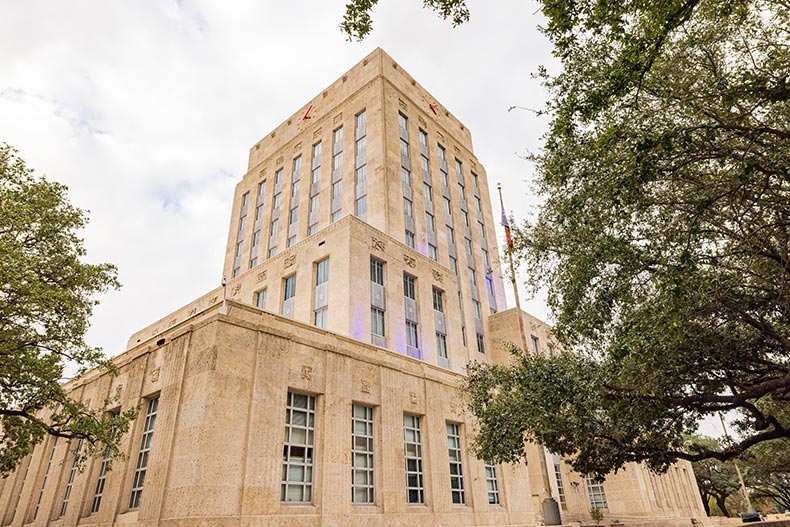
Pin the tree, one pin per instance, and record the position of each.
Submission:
(46, 299)
(357, 22)
(717, 480)
(663, 240)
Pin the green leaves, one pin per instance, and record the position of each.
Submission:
(357, 21)
(46, 299)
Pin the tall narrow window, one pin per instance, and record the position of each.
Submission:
(560, 485)
(443, 165)
(44, 481)
(321, 307)
(289, 292)
(596, 493)
(456, 466)
(408, 286)
(337, 175)
(376, 271)
(438, 300)
(245, 198)
(481, 343)
(70, 481)
(316, 171)
(535, 346)
(412, 339)
(145, 450)
(297, 479)
(362, 488)
(260, 298)
(377, 321)
(100, 482)
(412, 437)
(441, 349)
(360, 174)
(492, 485)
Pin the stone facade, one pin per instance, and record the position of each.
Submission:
(320, 384)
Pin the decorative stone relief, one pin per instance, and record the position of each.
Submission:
(410, 261)
(279, 159)
(377, 245)
(298, 146)
(413, 397)
(422, 121)
(155, 331)
(317, 133)
(118, 391)
(364, 386)
(307, 373)
(437, 275)
(401, 102)
(338, 117)
(172, 322)
(213, 300)
(155, 375)
(236, 290)
(260, 277)
(192, 311)
(289, 261)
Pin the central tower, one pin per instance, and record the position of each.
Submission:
(416, 267)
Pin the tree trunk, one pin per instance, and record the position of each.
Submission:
(720, 502)
(705, 504)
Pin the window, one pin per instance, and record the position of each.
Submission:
(377, 271)
(442, 153)
(438, 300)
(272, 252)
(441, 347)
(462, 191)
(408, 286)
(432, 252)
(316, 173)
(377, 321)
(456, 466)
(260, 298)
(44, 481)
(321, 312)
(296, 172)
(454, 265)
(403, 124)
(476, 309)
(412, 447)
(450, 236)
(297, 478)
(482, 230)
(337, 190)
(481, 343)
(491, 484)
(70, 481)
(289, 289)
(447, 207)
(472, 278)
(278, 176)
(361, 175)
(459, 170)
(430, 224)
(468, 245)
(535, 347)
(273, 228)
(550, 350)
(465, 219)
(478, 205)
(293, 216)
(143, 455)
(423, 139)
(361, 209)
(487, 262)
(362, 488)
(475, 182)
(426, 190)
(405, 176)
(361, 149)
(407, 208)
(276, 201)
(560, 486)
(411, 334)
(596, 493)
(97, 494)
(404, 148)
(410, 239)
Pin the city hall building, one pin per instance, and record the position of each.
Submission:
(319, 386)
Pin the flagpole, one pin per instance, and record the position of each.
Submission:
(521, 331)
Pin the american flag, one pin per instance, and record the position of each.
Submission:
(505, 223)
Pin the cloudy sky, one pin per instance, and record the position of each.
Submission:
(146, 110)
